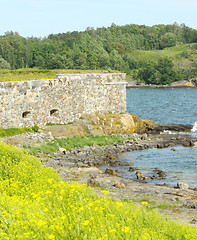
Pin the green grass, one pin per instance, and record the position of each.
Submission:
(173, 53)
(153, 203)
(7, 132)
(38, 74)
(36, 204)
(182, 55)
(69, 143)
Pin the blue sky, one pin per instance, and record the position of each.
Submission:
(40, 18)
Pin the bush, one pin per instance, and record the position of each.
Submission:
(35, 128)
(162, 72)
(4, 64)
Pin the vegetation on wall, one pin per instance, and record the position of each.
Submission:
(39, 74)
(126, 48)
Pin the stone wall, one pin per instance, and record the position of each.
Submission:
(61, 100)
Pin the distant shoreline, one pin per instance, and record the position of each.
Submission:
(192, 83)
(168, 87)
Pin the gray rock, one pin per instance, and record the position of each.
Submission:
(182, 186)
(132, 169)
(111, 172)
(119, 185)
(161, 174)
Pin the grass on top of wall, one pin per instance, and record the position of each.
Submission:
(39, 74)
(36, 204)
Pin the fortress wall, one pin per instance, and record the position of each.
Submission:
(61, 100)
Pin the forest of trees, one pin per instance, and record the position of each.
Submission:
(103, 48)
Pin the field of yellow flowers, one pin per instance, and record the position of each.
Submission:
(36, 204)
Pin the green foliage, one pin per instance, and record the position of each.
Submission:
(122, 48)
(69, 143)
(4, 64)
(168, 40)
(6, 132)
(164, 72)
(35, 128)
(36, 204)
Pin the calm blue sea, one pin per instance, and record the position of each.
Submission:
(164, 106)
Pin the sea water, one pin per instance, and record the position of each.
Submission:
(164, 106)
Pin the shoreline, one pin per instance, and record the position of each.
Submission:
(148, 87)
(100, 156)
(82, 165)
(192, 83)
(163, 87)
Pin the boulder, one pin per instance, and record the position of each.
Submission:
(128, 123)
(182, 186)
(127, 164)
(93, 183)
(119, 185)
(161, 174)
(132, 169)
(111, 172)
(175, 127)
(188, 143)
(103, 122)
(144, 125)
(140, 175)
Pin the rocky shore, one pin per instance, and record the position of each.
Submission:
(192, 83)
(96, 156)
(83, 164)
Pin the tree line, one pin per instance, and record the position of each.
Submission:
(101, 48)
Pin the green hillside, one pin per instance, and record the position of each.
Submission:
(128, 48)
(177, 63)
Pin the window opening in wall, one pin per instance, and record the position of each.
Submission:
(26, 114)
(54, 112)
